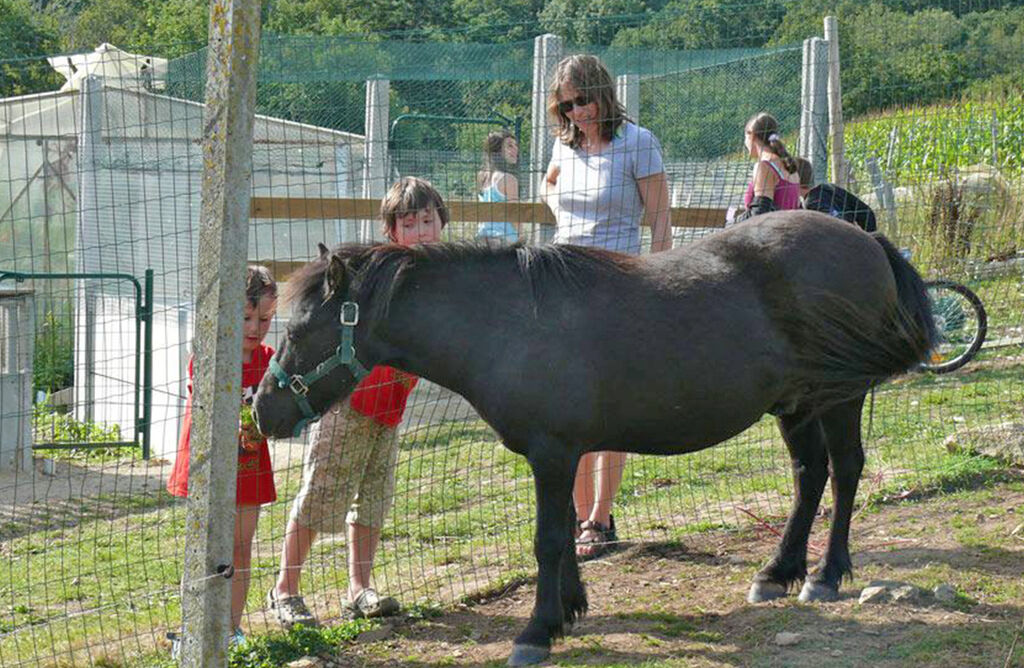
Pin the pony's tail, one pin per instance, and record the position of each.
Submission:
(845, 350)
(915, 323)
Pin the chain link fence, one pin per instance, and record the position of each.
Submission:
(103, 176)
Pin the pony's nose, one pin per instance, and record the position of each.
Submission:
(262, 415)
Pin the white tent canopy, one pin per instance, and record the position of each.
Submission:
(117, 68)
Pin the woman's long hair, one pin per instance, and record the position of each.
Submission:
(494, 158)
(590, 77)
(765, 129)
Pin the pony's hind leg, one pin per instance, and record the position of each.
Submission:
(846, 453)
(805, 439)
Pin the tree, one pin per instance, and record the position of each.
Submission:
(177, 27)
(24, 35)
(495, 21)
(706, 24)
(589, 22)
(118, 22)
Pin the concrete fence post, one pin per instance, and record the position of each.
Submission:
(813, 142)
(223, 230)
(375, 151)
(547, 51)
(628, 91)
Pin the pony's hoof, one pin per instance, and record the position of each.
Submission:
(765, 591)
(527, 655)
(815, 591)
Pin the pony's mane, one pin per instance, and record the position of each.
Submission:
(309, 278)
(381, 269)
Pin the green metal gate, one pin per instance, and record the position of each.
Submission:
(143, 378)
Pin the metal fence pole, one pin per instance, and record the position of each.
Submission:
(146, 319)
(223, 234)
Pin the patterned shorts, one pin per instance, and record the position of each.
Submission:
(349, 468)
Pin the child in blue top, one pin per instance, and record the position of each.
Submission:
(497, 183)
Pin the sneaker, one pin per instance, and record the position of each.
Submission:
(369, 604)
(290, 610)
(175, 644)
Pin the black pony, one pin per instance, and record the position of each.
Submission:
(565, 350)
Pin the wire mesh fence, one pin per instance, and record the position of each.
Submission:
(103, 177)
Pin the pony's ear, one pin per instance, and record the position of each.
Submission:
(323, 250)
(335, 278)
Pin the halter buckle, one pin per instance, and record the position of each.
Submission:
(349, 314)
(298, 386)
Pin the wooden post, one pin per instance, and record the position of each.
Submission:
(220, 294)
(995, 139)
(840, 173)
(883, 192)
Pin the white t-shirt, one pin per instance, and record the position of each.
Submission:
(598, 199)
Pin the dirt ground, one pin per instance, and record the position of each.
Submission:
(683, 604)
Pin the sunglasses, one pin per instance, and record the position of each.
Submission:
(580, 101)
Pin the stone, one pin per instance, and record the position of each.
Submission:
(307, 662)
(1004, 442)
(908, 594)
(786, 638)
(875, 594)
(944, 593)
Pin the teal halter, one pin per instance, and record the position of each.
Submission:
(344, 354)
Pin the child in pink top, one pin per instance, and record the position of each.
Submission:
(774, 184)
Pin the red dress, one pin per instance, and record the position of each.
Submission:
(255, 483)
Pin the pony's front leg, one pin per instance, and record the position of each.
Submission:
(574, 594)
(553, 471)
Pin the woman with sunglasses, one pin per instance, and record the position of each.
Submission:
(606, 176)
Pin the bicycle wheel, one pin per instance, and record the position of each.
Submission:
(960, 322)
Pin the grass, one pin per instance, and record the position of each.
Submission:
(74, 587)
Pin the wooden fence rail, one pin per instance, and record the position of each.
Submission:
(347, 208)
(288, 208)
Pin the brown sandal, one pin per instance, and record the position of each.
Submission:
(602, 538)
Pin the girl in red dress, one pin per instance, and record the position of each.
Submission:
(255, 483)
